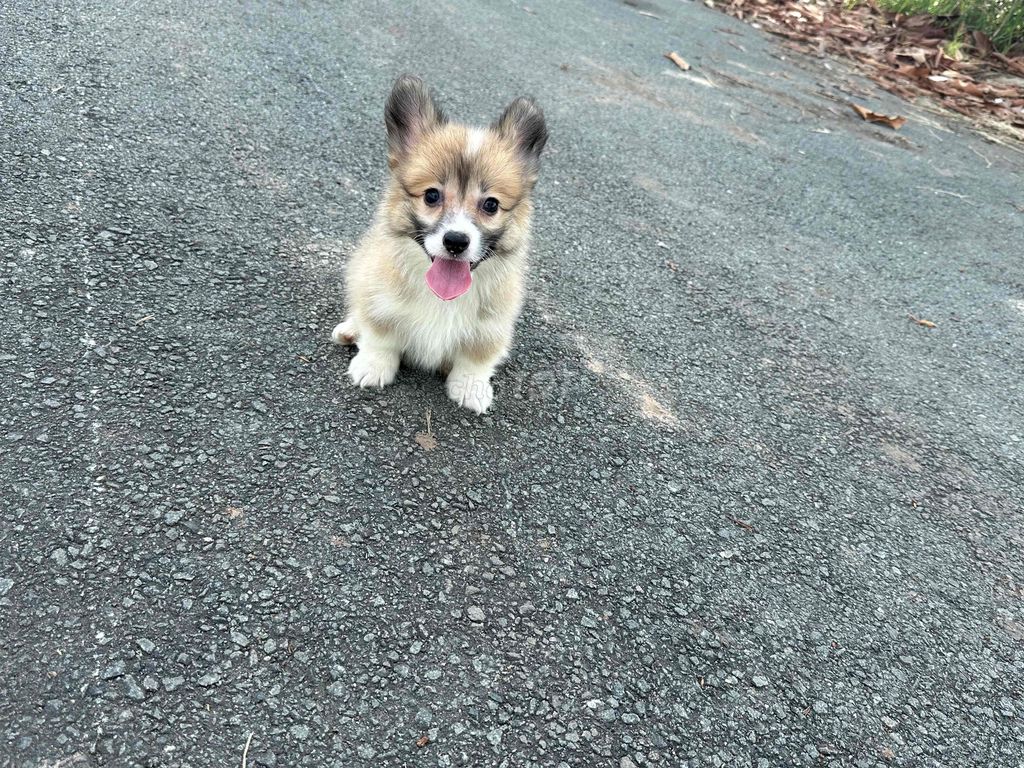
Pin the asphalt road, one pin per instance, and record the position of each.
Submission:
(733, 507)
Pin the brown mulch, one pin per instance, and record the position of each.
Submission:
(904, 54)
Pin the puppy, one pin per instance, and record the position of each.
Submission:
(437, 280)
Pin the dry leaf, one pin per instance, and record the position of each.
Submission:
(919, 55)
(982, 42)
(817, 15)
(422, 741)
(893, 121)
(426, 440)
(678, 60)
(922, 321)
(919, 20)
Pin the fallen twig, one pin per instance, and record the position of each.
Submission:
(678, 60)
(922, 321)
(245, 752)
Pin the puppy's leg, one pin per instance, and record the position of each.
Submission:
(376, 363)
(346, 332)
(469, 382)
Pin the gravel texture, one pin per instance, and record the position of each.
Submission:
(732, 508)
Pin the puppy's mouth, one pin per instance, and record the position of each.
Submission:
(448, 278)
(472, 264)
(451, 245)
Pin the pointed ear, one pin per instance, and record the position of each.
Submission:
(523, 123)
(409, 114)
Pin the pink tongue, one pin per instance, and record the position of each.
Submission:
(449, 278)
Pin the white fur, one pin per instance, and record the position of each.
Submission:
(344, 333)
(474, 141)
(470, 386)
(377, 361)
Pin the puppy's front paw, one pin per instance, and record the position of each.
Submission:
(470, 391)
(373, 369)
(344, 333)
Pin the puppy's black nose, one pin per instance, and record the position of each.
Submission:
(455, 242)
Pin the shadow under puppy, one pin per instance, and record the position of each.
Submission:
(438, 278)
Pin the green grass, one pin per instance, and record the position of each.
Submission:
(955, 46)
(1001, 20)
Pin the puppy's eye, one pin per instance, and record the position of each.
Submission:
(489, 206)
(432, 196)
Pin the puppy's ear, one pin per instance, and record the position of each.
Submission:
(409, 114)
(523, 123)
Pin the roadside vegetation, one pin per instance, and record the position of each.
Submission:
(1000, 21)
(965, 55)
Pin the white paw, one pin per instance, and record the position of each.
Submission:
(470, 391)
(373, 369)
(344, 333)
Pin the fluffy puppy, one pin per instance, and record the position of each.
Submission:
(437, 280)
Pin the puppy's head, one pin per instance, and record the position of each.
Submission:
(462, 193)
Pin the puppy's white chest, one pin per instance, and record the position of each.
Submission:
(434, 329)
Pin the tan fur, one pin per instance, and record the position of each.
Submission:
(393, 315)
